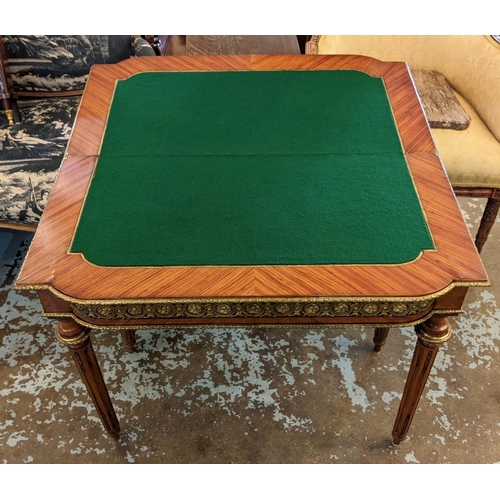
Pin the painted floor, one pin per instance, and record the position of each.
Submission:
(249, 395)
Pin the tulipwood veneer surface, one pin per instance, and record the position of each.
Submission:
(51, 265)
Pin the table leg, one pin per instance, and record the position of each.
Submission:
(76, 338)
(128, 339)
(379, 338)
(431, 334)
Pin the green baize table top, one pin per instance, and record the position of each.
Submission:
(251, 168)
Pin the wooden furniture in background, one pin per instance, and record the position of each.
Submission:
(7, 93)
(82, 296)
(193, 45)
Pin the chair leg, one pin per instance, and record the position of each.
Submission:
(6, 88)
(489, 216)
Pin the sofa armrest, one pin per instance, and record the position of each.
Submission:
(141, 47)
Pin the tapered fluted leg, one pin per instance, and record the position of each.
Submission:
(128, 339)
(380, 337)
(431, 334)
(76, 338)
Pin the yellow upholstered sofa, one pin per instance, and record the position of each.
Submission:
(471, 65)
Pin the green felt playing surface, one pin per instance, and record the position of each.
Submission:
(251, 168)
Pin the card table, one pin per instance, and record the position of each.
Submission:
(290, 190)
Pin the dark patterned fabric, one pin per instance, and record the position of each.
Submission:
(30, 156)
(31, 151)
(61, 62)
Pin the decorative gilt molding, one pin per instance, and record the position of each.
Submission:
(434, 332)
(251, 309)
(431, 340)
(73, 342)
(74, 300)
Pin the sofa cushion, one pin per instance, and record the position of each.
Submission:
(472, 156)
(61, 62)
(30, 156)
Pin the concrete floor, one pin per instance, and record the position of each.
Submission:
(241, 395)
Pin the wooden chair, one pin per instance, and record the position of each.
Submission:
(471, 65)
